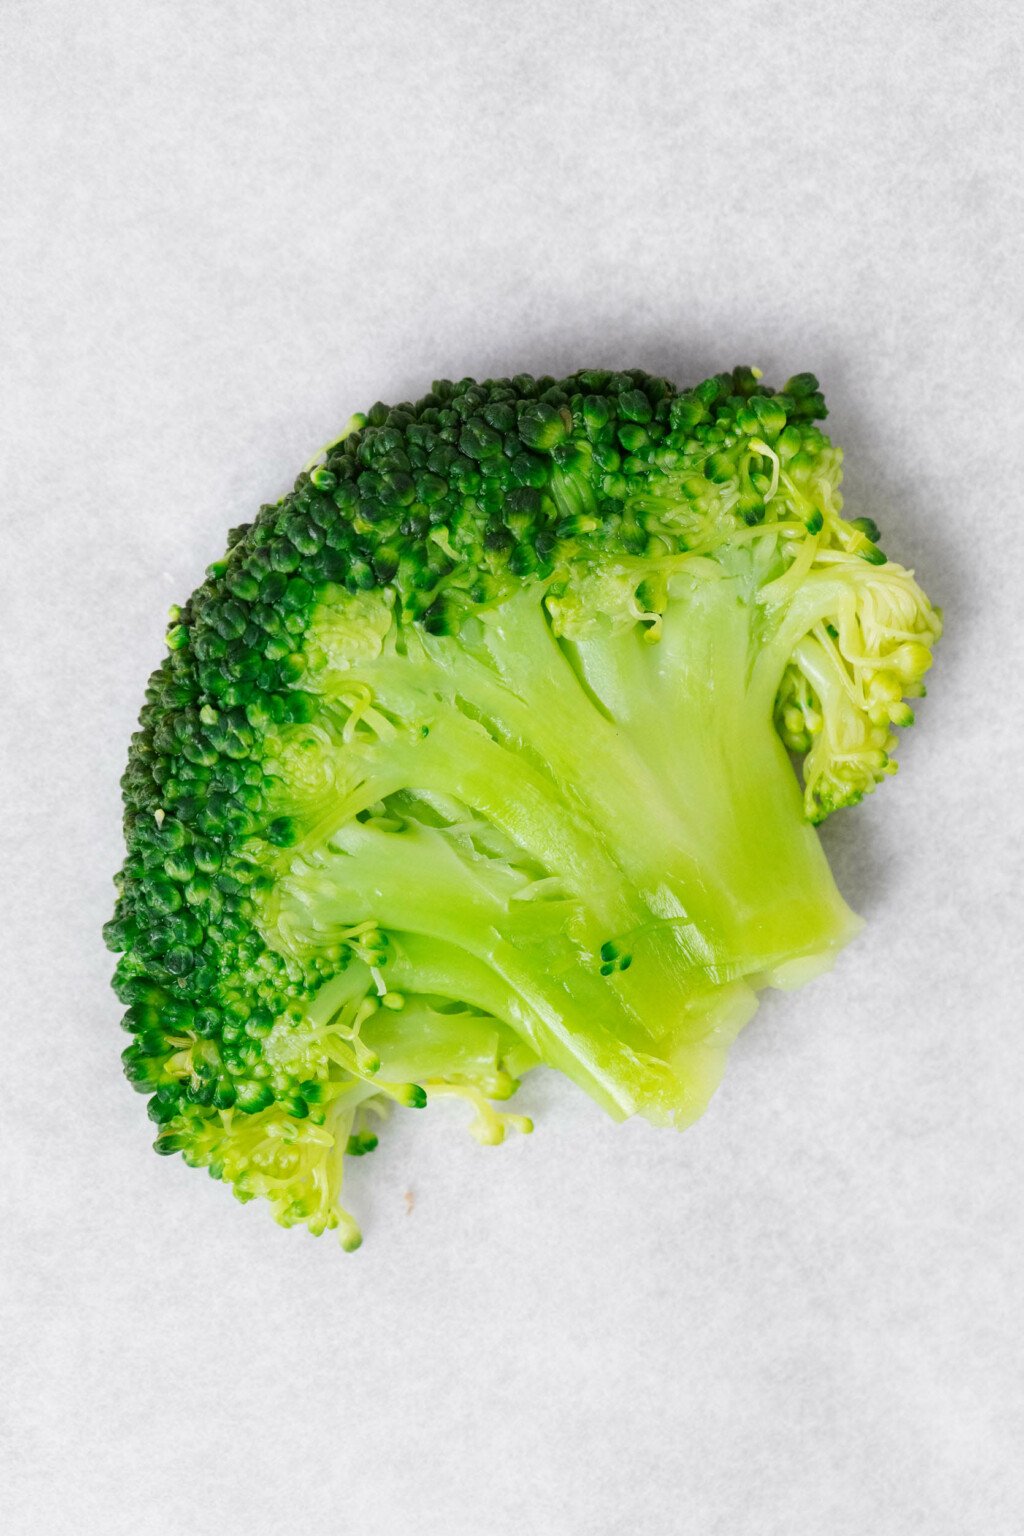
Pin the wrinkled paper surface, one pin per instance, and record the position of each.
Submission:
(225, 227)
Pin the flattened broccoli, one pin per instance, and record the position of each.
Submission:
(474, 752)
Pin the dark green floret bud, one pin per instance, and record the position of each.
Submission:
(719, 468)
(282, 832)
(542, 426)
(634, 438)
(596, 415)
(868, 527)
(361, 1143)
(635, 406)
(762, 417)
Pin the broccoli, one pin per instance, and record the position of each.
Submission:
(474, 752)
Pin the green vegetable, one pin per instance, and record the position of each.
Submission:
(473, 753)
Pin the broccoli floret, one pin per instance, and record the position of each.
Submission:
(474, 752)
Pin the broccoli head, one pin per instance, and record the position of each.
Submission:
(474, 752)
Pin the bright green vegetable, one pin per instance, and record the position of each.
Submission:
(472, 753)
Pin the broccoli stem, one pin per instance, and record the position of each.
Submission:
(659, 867)
(416, 883)
(697, 709)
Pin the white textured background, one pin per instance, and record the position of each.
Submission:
(224, 227)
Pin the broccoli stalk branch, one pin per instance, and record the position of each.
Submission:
(640, 788)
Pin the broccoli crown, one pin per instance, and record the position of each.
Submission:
(472, 753)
